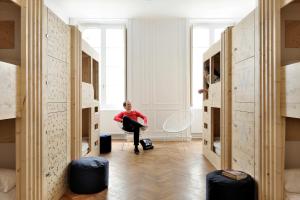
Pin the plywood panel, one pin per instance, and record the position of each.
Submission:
(243, 141)
(57, 97)
(57, 80)
(76, 56)
(215, 94)
(243, 81)
(243, 38)
(290, 96)
(7, 34)
(87, 95)
(58, 37)
(57, 154)
(9, 91)
(226, 97)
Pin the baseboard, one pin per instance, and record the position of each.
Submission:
(196, 135)
(156, 137)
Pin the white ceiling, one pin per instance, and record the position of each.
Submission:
(120, 9)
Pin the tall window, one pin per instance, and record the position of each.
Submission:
(203, 36)
(110, 42)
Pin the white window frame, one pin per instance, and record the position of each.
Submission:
(102, 88)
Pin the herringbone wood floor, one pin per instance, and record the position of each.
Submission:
(172, 171)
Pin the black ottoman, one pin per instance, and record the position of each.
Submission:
(88, 175)
(219, 187)
(105, 143)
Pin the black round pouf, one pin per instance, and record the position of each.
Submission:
(105, 143)
(219, 187)
(89, 175)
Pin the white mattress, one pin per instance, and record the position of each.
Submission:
(85, 146)
(10, 195)
(292, 196)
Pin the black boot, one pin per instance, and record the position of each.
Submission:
(136, 150)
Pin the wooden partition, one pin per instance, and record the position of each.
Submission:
(56, 105)
(243, 95)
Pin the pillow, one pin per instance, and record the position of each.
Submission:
(7, 179)
(292, 180)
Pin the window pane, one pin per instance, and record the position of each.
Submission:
(217, 34)
(197, 77)
(93, 37)
(115, 66)
(115, 37)
(114, 95)
(200, 37)
(115, 56)
(114, 76)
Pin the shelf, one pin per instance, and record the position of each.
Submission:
(86, 129)
(96, 79)
(215, 129)
(215, 68)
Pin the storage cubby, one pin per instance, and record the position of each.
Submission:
(86, 68)
(215, 68)
(86, 130)
(290, 34)
(7, 130)
(215, 130)
(292, 141)
(10, 32)
(96, 79)
(206, 72)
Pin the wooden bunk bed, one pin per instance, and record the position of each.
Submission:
(10, 102)
(290, 97)
(217, 103)
(212, 105)
(90, 100)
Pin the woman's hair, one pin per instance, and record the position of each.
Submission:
(124, 104)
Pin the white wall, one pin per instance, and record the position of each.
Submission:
(157, 71)
(158, 68)
(197, 125)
